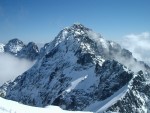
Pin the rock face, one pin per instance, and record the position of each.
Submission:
(13, 46)
(136, 99)
(30, 51)
(17, 48)
(79, 70)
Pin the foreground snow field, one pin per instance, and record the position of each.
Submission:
(8, 106)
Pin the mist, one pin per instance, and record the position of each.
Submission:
(139, 45)
(11, 67)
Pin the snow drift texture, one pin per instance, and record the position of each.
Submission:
(8, 106)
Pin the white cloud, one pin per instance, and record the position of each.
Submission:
(11, 67)
(139, 45)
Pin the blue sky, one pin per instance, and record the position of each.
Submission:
(41, 20)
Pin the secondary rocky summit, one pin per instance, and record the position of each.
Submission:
(17, 48)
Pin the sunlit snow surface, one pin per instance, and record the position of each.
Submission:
(75, 83)
(8, 106)
(101, 106)
(2, 47)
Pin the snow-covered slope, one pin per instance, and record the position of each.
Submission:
(1, 47)
(8, 106)
(100, 106)
(80, 68)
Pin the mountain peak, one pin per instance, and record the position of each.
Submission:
(17, 48)
(30, 51)
(76, 27)
(76, 30)
(13, 46)
(79, 26)
(15, 41)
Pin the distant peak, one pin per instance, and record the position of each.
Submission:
(15, 41)
(14, 46)
(31, 43)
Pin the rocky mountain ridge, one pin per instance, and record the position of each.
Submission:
(80, 70)
(17, 48)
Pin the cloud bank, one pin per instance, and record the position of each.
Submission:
(11, 67)
(139, 45)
